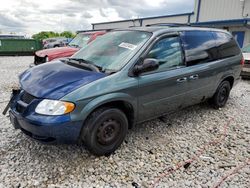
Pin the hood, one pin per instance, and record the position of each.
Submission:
(55, 80)
(53, 53)
(246, 56)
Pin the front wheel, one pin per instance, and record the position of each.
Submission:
(221, 96)
(104, 131)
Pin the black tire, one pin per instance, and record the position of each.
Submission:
(245, 77)
(104, 131)
(221, 96)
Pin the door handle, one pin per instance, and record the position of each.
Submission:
(194, 77)
(181, 80)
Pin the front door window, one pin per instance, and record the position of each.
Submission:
(168, 52)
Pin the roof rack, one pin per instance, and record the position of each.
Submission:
(133, 26)
(85, 31)
(169, 24)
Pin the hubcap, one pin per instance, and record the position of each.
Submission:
(223, 95)
(108, 132)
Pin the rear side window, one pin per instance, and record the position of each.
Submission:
(199, 46)
(227, 46)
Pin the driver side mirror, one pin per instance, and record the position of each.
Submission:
(148, 65)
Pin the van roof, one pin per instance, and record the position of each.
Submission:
(167, 29)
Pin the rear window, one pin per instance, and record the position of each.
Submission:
(226, 44)
(81, 40)
(199, 46)
(52, 40)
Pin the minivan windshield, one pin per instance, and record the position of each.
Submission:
(81, 40)
(114, 49)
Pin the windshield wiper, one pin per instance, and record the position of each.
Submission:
(86, 63)
(92, 66)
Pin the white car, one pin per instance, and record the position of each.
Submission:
(55, 42)
(246, 68)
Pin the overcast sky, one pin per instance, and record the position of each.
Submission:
(31, 16)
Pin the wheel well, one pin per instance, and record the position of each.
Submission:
(230, 79)
(125, 107)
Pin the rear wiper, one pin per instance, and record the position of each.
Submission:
(85, 63)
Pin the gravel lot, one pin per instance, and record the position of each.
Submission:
(144, 159)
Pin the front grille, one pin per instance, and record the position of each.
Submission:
(27, 98)
(39, 60)
(20, 108)
(247, 61)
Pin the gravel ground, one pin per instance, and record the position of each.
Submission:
(144, 158)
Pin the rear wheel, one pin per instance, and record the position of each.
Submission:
(104, 131)
(221, 96)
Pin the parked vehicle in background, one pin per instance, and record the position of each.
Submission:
(19, 46)
(126, 77)
(245, 73)
(11, 36)
(55, 42)
(81, 40)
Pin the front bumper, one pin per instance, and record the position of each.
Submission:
(68, 132)
(46, 129)
(39, 60)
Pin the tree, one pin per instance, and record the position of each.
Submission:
(67, 34)
(50, 34)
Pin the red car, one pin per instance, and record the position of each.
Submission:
(81, 40)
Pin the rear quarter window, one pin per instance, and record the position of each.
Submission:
(226, 45)
(199, 47)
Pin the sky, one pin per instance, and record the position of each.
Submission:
(32, 16)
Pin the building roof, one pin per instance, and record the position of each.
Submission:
(224, 22)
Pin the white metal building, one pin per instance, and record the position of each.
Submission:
(233, 15)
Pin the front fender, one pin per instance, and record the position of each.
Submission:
(101, 100)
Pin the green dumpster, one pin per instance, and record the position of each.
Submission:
(19, 46)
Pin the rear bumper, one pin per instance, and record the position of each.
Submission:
(246, 71)
(58, 131)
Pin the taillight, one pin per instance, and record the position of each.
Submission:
(242, 62)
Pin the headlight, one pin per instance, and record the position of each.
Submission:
(54, 107)
(46, 59)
